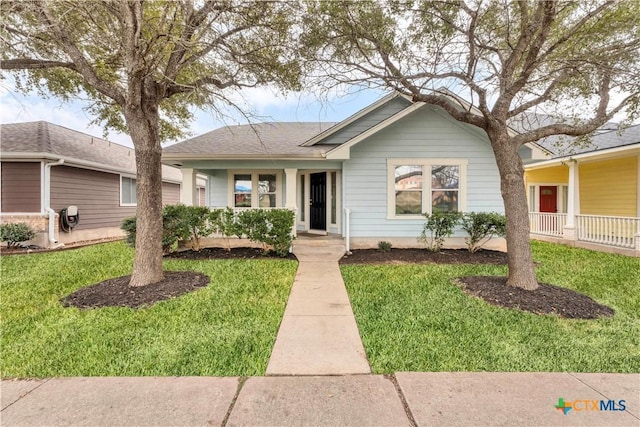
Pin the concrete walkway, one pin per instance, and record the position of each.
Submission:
(318, 334)
(407, 398)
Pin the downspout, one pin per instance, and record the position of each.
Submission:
(347, 230)
(47, 202)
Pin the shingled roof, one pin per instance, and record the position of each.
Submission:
(33, 140)
(271, 139)
(562, 146)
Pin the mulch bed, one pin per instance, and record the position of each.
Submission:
(546, 299)
(221, 253)
(423, 256)
(117, 292)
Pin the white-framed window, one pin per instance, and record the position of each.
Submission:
(250, 189)
(128, 196)
(418, 186)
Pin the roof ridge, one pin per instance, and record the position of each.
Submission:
(44, 137)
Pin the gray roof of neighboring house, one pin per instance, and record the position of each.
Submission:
(46, 139)
(262, 139)
(562, 146)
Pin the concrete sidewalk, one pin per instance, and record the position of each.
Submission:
(441, 398)
(318, 334)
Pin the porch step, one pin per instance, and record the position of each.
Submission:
(319, 248)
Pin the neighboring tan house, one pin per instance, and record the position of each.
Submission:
(368, 178)
(588, 194)
(46, 168)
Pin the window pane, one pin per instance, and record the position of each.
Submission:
(408, 178)
(242, 183)
(128, 190)
(532, 198)
(408, 202)
(334, 179)
(267, 183)
(444, 201)
(303, 202)
(445, 176)
(408, 189)
(243, 200)
(267, 201)
(134, 195)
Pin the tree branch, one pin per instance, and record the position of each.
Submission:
(34, 64)
(83, 67)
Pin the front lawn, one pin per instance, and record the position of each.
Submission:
(412, 318)
(225, 329)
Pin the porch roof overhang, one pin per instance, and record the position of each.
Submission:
(176, 159)
(592, 156)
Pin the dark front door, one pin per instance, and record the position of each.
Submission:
(548, 199)
(318, 201)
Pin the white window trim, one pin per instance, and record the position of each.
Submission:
(254, 187)
(426, 189)
(121, 202)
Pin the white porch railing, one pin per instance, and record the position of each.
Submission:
(547, 224)
(608, 230)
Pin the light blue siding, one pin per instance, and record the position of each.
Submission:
(373, 118)
(428, 133)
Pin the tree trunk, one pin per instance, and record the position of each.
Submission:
(143, 127)
(520, 260)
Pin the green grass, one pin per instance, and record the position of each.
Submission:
(225, 329)
(411, 318)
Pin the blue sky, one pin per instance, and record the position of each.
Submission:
(266, 105)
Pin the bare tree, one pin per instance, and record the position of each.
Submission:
(143, 65)
(491, 64)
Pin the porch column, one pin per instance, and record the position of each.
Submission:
(188, 194)
(573, 202)
(291, 194)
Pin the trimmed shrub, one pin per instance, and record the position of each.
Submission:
(199, 222)
(252, 224)
(481, 227)
(174, 228)
(439, 226)
(128, 225)
(224, 223)
(279, 226)
(384, 246)
(16, 233)
(270, 227)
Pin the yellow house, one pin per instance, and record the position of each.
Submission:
(590, 193)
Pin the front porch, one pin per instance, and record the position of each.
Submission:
(605, 233)
(313, 193)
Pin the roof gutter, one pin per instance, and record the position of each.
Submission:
(47, 202)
